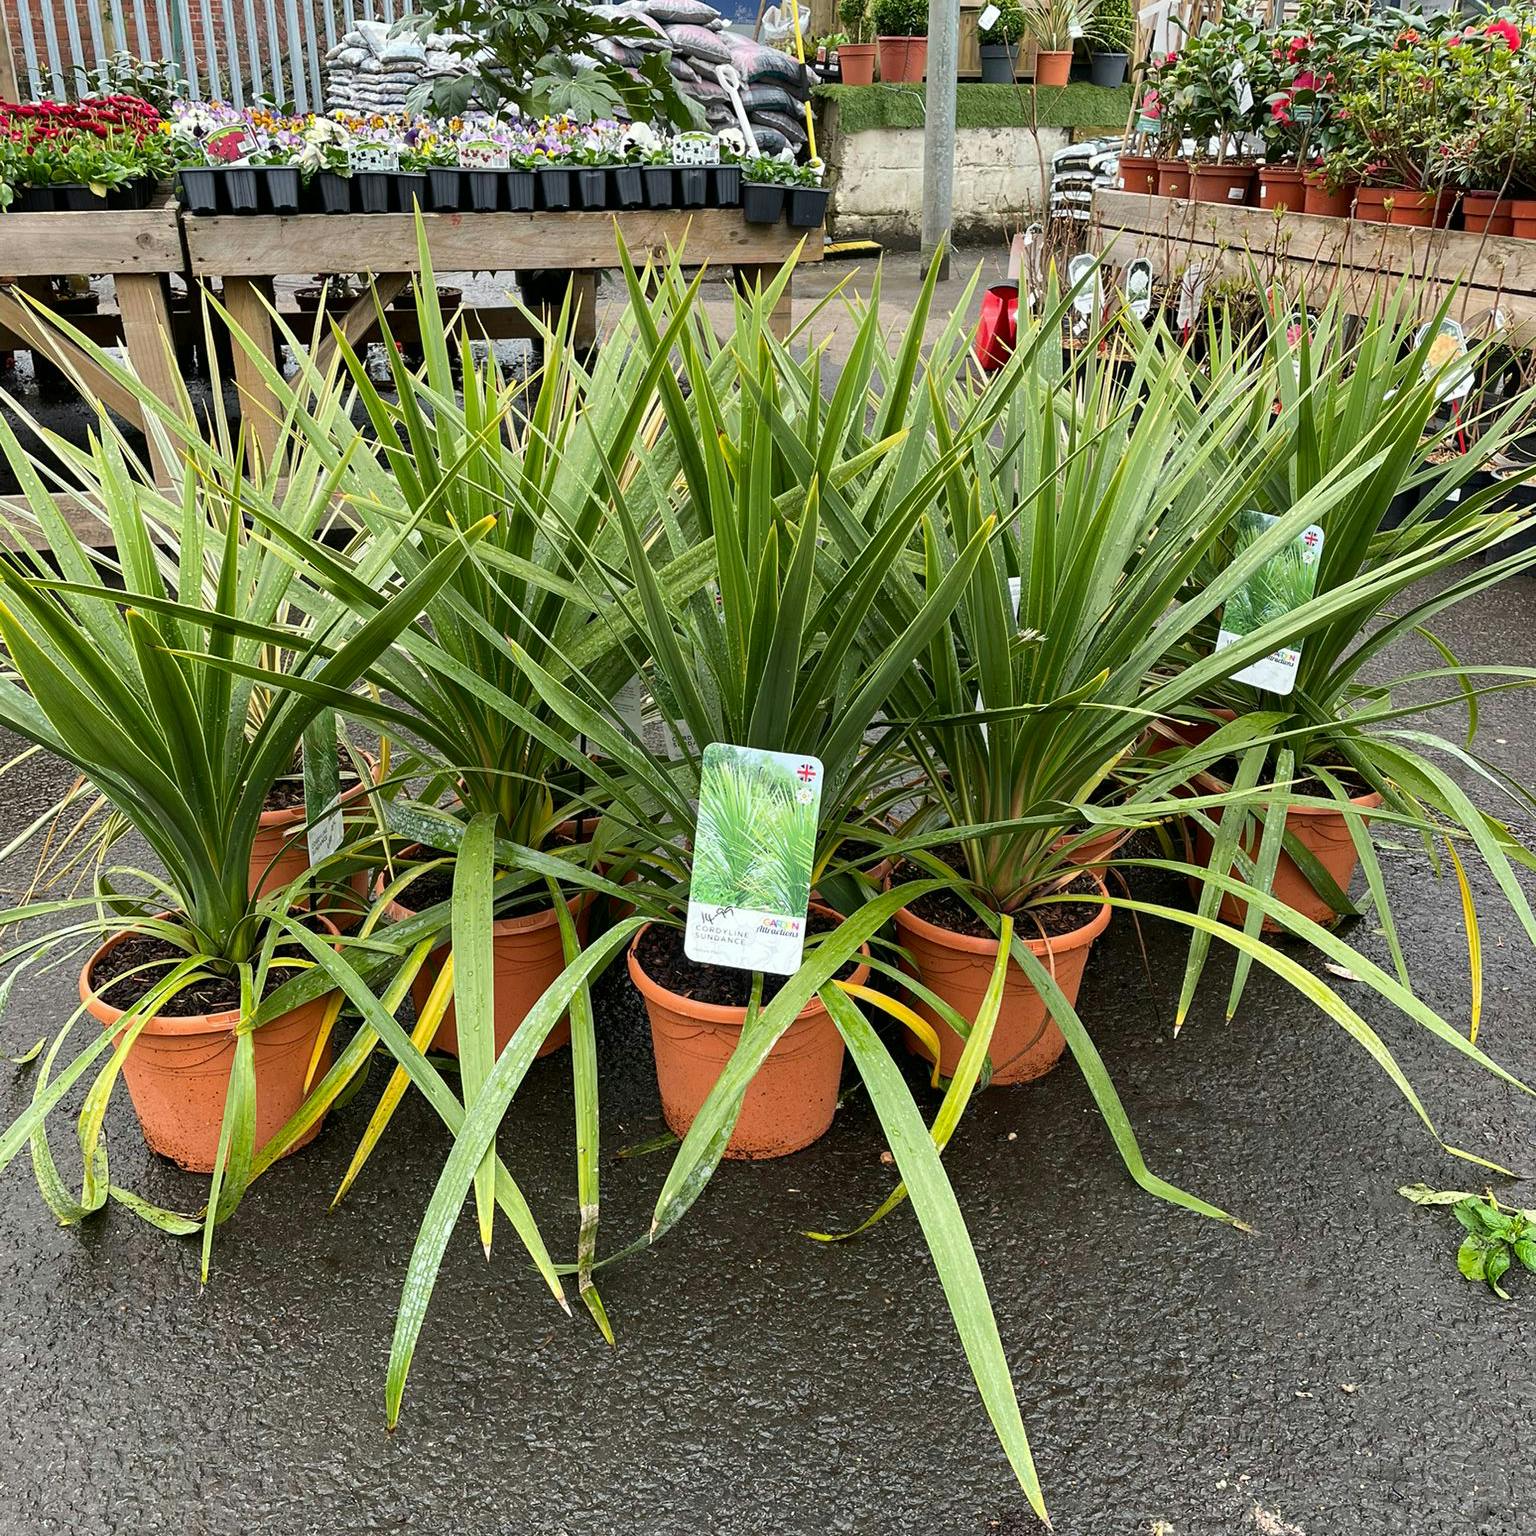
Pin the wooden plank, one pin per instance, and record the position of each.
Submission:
(10, 83)
(1358, 260)
(362, 317)
(41, 337)
(478, 242)
(108, 241)
(246, 300)
(147, 340)
(781, 321)
(90, 529)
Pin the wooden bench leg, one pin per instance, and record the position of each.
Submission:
(147, 341)
(544, 292)
(245, 298)
(781, 320)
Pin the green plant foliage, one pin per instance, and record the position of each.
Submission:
(755, 837)
(900, 18)
(1007, 29)
(1499, 1237)
(861, 108)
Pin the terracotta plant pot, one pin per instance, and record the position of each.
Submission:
(1280, 189)
(1398, 206)
(1053, 66)
(1138, 173)
(902, 59)
(1523, 218)
(1324, 833)
(858, 61)
(790, 1101)
(527, 956)
(1327, 202)
(275, 861)
(178, 1072)
(1229, 185)
(1488, 213)
(1026, 1042)
(1173, 178)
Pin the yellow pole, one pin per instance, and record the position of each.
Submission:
(810, 123)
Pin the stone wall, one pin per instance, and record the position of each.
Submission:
(876, 179)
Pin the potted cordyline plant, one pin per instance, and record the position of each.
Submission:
(1053, 26)
(1346, 750)
(208, 1001)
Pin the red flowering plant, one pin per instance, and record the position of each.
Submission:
(1297, 75)
(1488, 105)
(102, 143)
(1393, 129)
(1206, 90)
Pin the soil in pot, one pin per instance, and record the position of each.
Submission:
(1173, 178)
(1107, 70)
(696, 1014)
(858, 63)
(178, 1069)
(1321, 199)
(658, 180)
(998, 62)
(1324, 833)
(527, 956)
(1138, 173)
(1281, 189)
(762, 202)
(1226, 184)
(953, 954)
(1053, 66)
(200, 190)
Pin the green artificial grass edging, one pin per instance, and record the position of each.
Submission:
(1079, 105)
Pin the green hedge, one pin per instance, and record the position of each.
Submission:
(1079, 105)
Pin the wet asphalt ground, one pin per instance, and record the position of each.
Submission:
(1329, 1373)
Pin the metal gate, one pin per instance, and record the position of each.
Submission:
(239, 51)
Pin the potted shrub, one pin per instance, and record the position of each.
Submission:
(1487, 87)
(857, 55)
(1217, 109)
(1110, 37)
(211, 1001)
(1053, 26)
(1000, 44)
(901, 37)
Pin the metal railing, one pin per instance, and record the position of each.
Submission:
(239, 51)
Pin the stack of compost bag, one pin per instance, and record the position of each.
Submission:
(374, 68)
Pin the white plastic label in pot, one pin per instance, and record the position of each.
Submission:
(1281, 585)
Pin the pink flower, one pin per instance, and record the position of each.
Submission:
(1507, 31)
(1305, 81)
(1292, 335)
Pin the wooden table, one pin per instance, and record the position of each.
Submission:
(137, 248)
(247, 253)
(1492, 276)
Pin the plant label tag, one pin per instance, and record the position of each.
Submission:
(1242, 89)
(322, 789)
(1284, 583)
(629, 701)
(1448, 347)
(753, 852)
(229, 146)
(1191, 290)
(988, 17)
(1146, 124)
(1076, 30)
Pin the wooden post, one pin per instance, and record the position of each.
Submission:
(246, 300)
(147, 341)
(10, 81)
(939, 127)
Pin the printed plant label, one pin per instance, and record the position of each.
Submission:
(1281, 585)
(752, 858)
(1448, 347)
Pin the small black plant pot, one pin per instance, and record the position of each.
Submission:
(762, 202)
(373, 189)
(626, 186)
(693, 186)
(241, 193)
(592, 186)
(521, 192)
(281, 185)
(76, 197)
(335, 192)
(725, 186)
(484, 190)
(660, 191)
(807, 207)
(34, 200)
(554, 189)
(445, 188)
(411, 191)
